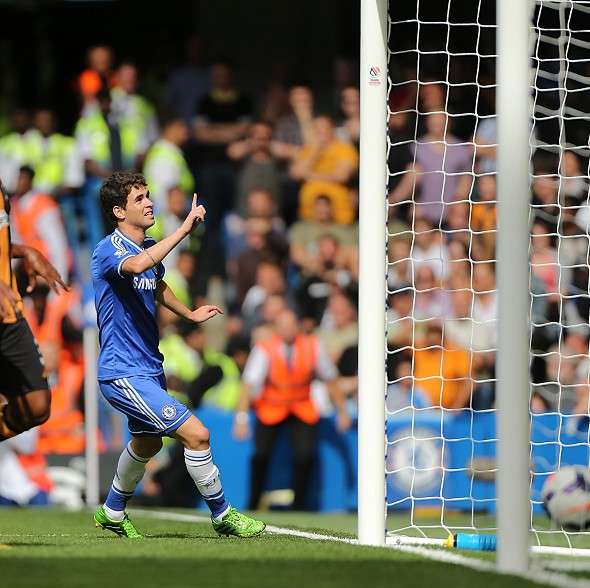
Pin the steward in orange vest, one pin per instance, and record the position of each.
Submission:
(278, 377)
(63, 433)
(37, 220)
(287, 387)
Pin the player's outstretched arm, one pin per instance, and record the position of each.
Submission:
(153, 255)
(37, 266)
(167, 298)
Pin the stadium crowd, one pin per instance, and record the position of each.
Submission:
(279, 180)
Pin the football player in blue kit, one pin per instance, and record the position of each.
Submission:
(128, 279)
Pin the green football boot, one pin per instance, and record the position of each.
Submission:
(238, 524)
(124, 528)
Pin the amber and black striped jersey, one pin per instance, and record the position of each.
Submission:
(6, 273)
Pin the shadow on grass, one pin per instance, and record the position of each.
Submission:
(290, 572)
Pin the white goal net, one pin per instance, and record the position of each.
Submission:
(442, 296)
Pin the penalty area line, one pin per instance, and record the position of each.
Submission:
(535, 574)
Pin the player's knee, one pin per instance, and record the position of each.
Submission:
(197, 438)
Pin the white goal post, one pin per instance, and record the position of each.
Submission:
(534, 57)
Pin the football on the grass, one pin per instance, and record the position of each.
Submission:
(566, 497)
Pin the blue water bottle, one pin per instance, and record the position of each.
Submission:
(472, 541)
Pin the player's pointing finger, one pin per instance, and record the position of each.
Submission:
(195, 198)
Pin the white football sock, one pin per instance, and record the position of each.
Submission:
(205, 474)
(130, 470)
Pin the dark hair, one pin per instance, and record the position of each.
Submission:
(28, 170)
(115, 190)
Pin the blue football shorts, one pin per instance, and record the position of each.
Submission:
(150, 410)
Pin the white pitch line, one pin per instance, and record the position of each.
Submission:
(565, 565)
(535, 574)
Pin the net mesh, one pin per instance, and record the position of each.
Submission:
(442, 298)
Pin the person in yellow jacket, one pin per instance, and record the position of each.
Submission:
(202, 374)
(130, 106)
(105, 144)
(165, 167)
(14, 149)
(52, 156)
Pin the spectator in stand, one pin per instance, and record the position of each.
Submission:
(131, 107)
(485, 144)
(479, 339)
(260, 205)
(58, 169)
(338, 328)
(431, 300)
(458, 270)
(37, 222)
(325, 168)
(15, 149)
(544, 262)
(223, 116)
(304, 235)
(52, 156)
(258, 168)
(165, 168)
(178, 276)
(399, 268)
(483, 219)
(271, 308)
(296, 128)
(262, 244)
(108, 144)
(442, 369)
(439, 185)
(274, 103)
(400, 323)
(188, 83)
(98, 74)
(545, 196)
(574, 182)
(350, 126)
(269, 281)
(277, 382)
(334, 268)
(292, 131)
(428, 248)
(563, 391)
(400, 158)
(104, 145)
(485, 305)
(177, 202)
(404, 393)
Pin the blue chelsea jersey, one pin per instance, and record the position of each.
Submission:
(125, 310)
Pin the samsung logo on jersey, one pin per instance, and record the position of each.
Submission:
(144, 283)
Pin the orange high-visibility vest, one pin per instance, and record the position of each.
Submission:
(25, 220)
(287, 387)
(57, 307)
(64, 431)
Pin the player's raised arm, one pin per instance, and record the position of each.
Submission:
(153, 255)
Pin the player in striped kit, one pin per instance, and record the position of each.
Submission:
(127, 274)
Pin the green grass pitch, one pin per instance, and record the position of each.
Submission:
(55, 548)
